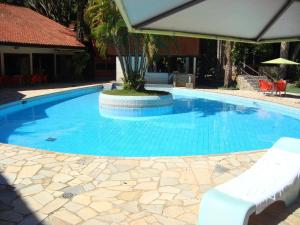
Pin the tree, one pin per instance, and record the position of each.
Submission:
(57, 10)
(80, 25)
(284, 53)
(228, 64)
(296, 52)
(15, 2)
(134, 50)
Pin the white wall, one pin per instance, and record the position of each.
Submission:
(150, 78)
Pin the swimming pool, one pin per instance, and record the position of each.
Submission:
(202, 123)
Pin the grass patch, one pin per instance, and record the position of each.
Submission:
(126, 92)
(292, 88)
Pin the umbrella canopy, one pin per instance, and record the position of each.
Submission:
(237, 20)
(281, 61)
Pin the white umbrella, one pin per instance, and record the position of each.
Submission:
(237, 20)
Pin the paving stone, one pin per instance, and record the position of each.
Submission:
(103, 193)
(121, 176)
(43, 197)
(67, 216)
(56, 186)
(54, 205)
(146, 186)
(73, 207)
(101, 206)
(32, 220)
(31, 190)
(11, 216)
(128, 196)
(94, 222)
(82, 199)
(86, 213)
(169, 189)
(153, 208)
(116, 218)
(9, 178)
(12, 169)
(29, 171)
(62, 178)
(148, 197)
(130, 206)
(173, 211)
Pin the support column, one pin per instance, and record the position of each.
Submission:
(187, 64)
(194, 71)
(30, 64)
(194, 65)
(2, 64)
(54, 61)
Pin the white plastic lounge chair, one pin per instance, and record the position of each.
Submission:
(275, 177)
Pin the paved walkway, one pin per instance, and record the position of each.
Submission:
(39, 187)
(14, 94)
(52, 188)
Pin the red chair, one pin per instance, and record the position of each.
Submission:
(17, 80)
(45, 78)
(36, 79)
(7, 80)
(280, 86)
(27, 79)
(265, 86)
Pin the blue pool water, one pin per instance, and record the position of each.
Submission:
(201, 124)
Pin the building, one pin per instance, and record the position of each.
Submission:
(31, 43)
(180, 55)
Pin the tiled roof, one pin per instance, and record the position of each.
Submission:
(21, 25)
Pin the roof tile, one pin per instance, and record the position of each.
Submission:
(21, 25)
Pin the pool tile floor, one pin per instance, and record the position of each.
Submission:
(39, 187)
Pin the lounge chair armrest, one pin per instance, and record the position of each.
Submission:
(218, 208)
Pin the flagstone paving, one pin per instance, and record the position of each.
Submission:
(40, 187)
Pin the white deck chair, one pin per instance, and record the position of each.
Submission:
(274, 177)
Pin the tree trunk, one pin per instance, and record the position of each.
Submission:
(296, 51)
(284, 53)
(80, 20)
(228, 65)
(219, 57)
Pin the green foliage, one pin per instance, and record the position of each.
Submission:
(15, 2)
(60, 11)
(135, 51)
(243, 52)
(298, 84)
(79, 63)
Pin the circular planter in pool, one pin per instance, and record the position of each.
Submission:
(135, 106)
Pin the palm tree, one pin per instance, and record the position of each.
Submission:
(134, 50)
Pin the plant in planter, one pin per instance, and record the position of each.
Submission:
(134, 50)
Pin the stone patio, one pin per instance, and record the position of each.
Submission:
(40, 187)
